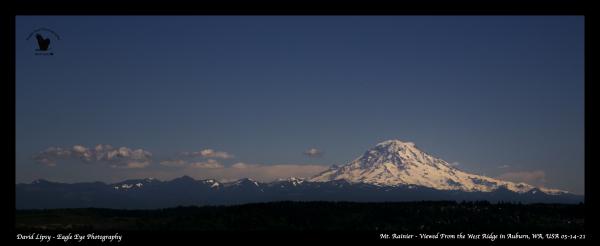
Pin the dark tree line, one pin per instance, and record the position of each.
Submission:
(319, 216)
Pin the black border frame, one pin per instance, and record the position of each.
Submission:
(311, 7)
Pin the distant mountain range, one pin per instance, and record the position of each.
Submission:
(391, 171)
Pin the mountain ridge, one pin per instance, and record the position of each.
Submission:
(163, 194)
(391, 171)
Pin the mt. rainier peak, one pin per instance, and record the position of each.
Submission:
(395, 163)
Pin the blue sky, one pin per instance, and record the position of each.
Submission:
(499, 95)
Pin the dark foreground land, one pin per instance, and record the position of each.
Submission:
(318, 216)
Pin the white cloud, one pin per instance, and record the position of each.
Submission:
(122, 157)
(209, 164)
(102, 147)
(127, 158)
(454, 164)
(504, 166)
(313, 152)
(209, 153)
(79, 148)
(536, 178)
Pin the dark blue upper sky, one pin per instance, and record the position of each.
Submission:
(485, 92)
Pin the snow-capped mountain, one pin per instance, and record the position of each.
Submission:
(186, 191)
(391, 171)
(397, 163)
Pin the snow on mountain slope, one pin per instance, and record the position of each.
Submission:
(243, 182)
(213, 183)
(394, 163)
(134, 184)
(295, 181)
